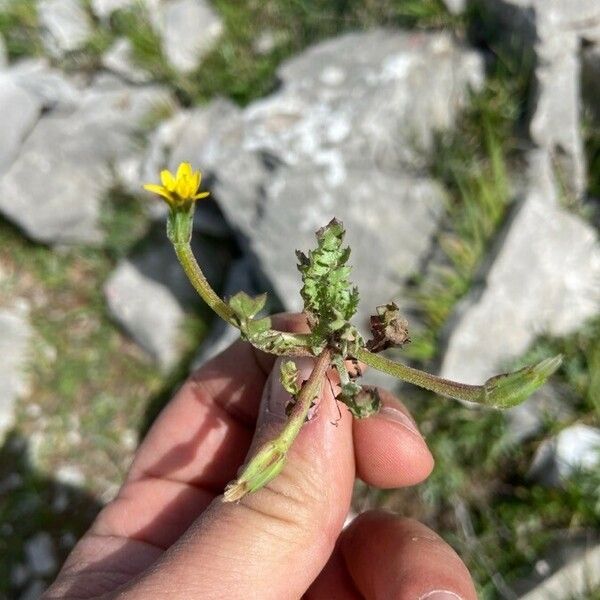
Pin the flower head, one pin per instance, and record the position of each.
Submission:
(179, 190)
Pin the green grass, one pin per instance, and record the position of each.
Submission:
(19, 28)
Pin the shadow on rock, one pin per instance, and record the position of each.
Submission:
(40, 521)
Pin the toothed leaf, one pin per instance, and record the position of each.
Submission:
(289, 377)
(245, 306)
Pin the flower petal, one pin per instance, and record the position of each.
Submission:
(201, 195)
(167, 179)
(184, 170)
(158, 189)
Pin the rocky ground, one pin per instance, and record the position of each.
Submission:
(458, 142)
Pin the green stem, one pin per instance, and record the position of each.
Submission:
(198, 280)
(501, 391)
(444, 387)
(270, 458)
(310, 390)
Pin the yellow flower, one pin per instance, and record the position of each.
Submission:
(180, 189)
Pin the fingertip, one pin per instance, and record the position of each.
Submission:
(389, 450)
(393, 557)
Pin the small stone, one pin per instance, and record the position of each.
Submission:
(576, 448)
(129, 439)
(265, 43)
(189, 30)
(70, 475)
(65, 25)
(15, 339)
(40, 554)
(456, 6)
(119, 59)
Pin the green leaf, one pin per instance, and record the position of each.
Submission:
(289, 377)
(329, 298)
(510, 389)
(500, 391)
(362, 403)
(246, 307)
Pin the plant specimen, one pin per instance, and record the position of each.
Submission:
(330, 302)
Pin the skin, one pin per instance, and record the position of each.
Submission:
(169, 535)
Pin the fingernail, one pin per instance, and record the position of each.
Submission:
(397, 416)
(440, 595)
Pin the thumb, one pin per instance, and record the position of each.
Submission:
(274, 542)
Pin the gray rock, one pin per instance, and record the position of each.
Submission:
(189, 30)
(41, 554)
(555, 122)
(544, 278)
(119, 59)
(34, 590)
(554, 31)
(149, 294)
(55, 196)
(384, 249)
(19, 111)
(578, 578)
(147, 311)
(65, 25)
(456, 6)
(15, 339)
(576, 448)
(48, 85)
(346, 135)
(104, 8)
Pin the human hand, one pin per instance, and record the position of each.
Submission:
(169, 535)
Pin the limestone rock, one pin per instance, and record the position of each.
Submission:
(104, 8)
(576, 448)
(15, 339)
(456, 6)
(149, 294)
(544, 278)
(189, 30)
(555, 30)
(119, 59)
(54, 189)
(347, 134)
(19, 111)
(65, 25)
(48, 85)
